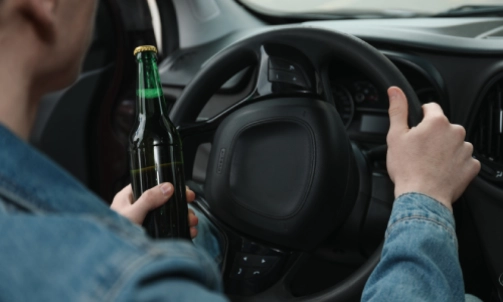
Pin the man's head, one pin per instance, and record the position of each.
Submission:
(48, 38)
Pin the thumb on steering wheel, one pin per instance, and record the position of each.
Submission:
(398, 111)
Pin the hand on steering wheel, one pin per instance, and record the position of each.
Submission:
(431, 158)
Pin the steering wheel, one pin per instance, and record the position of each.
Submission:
(282, 174)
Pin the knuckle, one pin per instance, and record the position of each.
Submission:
(434, 111)
(430, 107)
(440, 119)
(438, 122)
(469, 148)
(476, 166)
(459, 130)
(434, 107)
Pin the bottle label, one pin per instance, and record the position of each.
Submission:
(149, 93)
(151, 166)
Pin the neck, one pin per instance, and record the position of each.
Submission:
(150, 99)
(18, 103)
(19, 96)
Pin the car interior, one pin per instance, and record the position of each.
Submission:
(284, 118)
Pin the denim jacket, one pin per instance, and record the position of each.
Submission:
(59, 242)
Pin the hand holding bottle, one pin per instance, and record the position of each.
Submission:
(149, 200)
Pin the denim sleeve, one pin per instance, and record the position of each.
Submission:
(419, 260)
(57, 257)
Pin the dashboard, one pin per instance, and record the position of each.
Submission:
(363, 107)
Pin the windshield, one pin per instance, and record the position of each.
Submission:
(331, 6)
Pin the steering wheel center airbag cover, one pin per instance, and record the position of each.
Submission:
(280, 150)
(279, 171)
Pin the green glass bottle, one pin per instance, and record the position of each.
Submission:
(155, 150)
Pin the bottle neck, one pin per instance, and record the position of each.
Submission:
(149, 95)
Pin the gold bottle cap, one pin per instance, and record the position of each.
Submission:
(144, 48)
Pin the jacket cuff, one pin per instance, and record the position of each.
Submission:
(417, 206)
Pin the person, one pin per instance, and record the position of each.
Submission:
(60, 242)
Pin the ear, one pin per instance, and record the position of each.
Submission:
(42, 13)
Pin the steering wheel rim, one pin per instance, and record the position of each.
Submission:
(335, 44)
(237, 56)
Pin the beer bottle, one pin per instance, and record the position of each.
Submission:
(155, 150)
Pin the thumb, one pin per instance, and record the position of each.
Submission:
(398, 110)
(149, 200)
